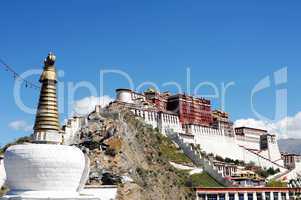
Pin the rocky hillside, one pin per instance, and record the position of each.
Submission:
(125, 151)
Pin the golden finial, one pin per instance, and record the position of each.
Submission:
(50, 60)
(49, 72)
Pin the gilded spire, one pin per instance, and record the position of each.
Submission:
(47, 126)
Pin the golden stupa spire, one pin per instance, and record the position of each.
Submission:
(47, 126)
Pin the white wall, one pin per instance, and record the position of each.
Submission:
(248, 144)
(71, 134)
(104, 193)
(228, 147)
(150, 118)
(163, 121)
(169, 122)
(2, 173)
(274, 152)
(124, 96)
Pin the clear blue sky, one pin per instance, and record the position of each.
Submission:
(221, 41)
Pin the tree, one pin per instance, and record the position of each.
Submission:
(219, 158)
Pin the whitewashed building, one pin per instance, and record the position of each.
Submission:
(243, 193)
(71, 130)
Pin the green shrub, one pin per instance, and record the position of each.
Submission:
(3, 191)
(219, 158)
(275, 183)
(202, 180)
(170, 152)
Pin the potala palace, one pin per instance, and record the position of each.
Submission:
(195, 122)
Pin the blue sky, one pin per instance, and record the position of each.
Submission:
(220, 41)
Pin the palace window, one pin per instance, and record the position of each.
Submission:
(250, 196)
(212, 197)
(267, 196)
(241, 196)
(259, 196)
(221, 196)
(283, 196)
(275, 195)
(231, 196)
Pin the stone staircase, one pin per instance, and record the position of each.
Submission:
(197, 159)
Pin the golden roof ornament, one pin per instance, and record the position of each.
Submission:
(50, 60)
(47, 126)
(49, 72)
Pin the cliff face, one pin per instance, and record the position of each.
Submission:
(129, 153)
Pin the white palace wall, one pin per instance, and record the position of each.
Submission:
(273, 154)
(71, 133)
(150, 117)
(169, 122)
(250, 144)
(161, 120)
(213, 141)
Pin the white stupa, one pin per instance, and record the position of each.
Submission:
(46, 169)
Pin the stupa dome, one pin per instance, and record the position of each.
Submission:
(44, 169)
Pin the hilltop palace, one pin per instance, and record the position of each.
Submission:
(194, 120)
